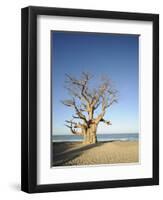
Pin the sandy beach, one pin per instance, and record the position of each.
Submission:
(112, 152)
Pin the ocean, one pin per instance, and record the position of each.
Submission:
(100, 137)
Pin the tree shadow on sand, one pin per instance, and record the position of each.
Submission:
(59, 159)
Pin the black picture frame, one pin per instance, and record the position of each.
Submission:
(29, 99)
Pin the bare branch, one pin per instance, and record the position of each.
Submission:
(75, 117)
(73, 126)
(97, 105)
(86, 100)
(99, 117)
(72, 103)
(76, 125)
(68, 103)
(81, 85)
(105, 121)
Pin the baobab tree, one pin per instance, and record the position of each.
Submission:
(89, 104)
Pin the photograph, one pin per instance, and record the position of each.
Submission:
(94, 99)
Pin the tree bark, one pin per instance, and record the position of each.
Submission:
(90, 136)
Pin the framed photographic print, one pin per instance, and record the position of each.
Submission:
(90, 99)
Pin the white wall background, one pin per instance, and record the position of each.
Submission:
(10, 79)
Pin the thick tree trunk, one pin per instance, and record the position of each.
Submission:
(90, 136)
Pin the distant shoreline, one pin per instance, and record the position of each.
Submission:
(113, 152)
(100, 137)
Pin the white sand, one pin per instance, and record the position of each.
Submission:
(100, 153)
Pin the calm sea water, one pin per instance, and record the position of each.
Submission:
(100, 137)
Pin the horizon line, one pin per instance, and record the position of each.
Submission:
(103, 133)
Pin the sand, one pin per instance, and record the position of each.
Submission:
(113, 152)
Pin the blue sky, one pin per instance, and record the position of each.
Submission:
(112, 55)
